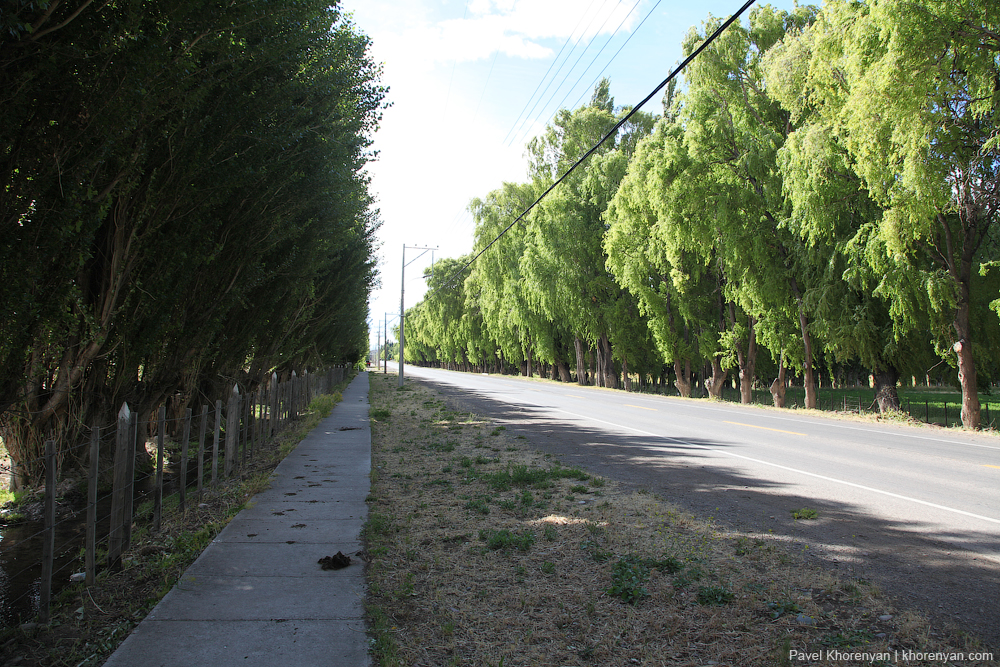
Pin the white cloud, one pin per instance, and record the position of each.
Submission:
(514, 27)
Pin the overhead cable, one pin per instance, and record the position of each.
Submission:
(544, 76)
(624, 44)
(528, 117)
(607, 136)
(596, 56)
(575, 63)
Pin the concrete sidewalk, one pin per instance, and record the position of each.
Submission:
(257, 595)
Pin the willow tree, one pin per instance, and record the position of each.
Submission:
(565, 260)
(910, 89)
(730, 203)
(496, 282)
(648, 255)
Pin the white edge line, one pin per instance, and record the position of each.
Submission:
(795, 470)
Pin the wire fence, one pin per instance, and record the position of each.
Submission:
(228, 433)
(941, 412)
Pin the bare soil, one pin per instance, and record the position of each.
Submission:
(485, 548)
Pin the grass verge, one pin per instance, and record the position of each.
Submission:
(88, 624)
(484, 552)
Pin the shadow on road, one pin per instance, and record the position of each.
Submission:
(922, 568)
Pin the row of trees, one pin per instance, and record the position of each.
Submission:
(820, 193)
(182, 203)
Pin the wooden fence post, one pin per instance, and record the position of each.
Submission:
(232, 430)
(255, 418)
(184, 459)
(90, 549)
(116, 535)
(201, 448)
(133, 442)
(273, 411)
(161, 425)
(245, 428)
(283, 404)
(48, 535)
(215, 442)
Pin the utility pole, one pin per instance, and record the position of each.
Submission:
(385, 343)
(402, 305)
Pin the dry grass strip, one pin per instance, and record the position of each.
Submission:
(483, 552)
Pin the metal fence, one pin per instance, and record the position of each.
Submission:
(943, 413)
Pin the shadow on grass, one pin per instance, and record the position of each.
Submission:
(933, 570)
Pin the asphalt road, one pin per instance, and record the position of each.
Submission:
(915, 509)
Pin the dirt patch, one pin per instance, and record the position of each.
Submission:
(485, 551)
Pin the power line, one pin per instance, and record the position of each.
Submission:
(486, 85)
(607, 136)
(551, 81)
(575, 63)
(624, 44)
(554, 61)
(598, 55)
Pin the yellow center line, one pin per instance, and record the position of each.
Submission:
(987, 465)
(574, 396)
(640, 407)
(766, 428)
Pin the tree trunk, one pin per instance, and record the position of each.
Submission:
(683, 375)
(609, 373)
(718, 378)
(808, 381)
(599, 365)
(625, 377)
(885, 389)
(563, 369)
(748, 369)
(962, 275)
(778, 386)
(747, 359)
(966, 364)
(581, 374)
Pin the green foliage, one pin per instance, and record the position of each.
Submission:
(505, 539)
(207, 218)
(377, 526)
(523, 476)
(628, 581)
(714, 595)
(478, 505)
(782, 607)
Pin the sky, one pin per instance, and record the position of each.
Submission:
(471, 82)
